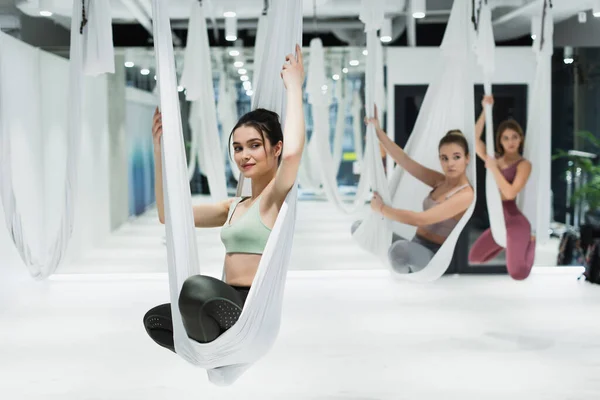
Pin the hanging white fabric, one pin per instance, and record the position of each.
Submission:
(375, 232)
(98, 49)
(485, 51)
(340, 125)
(227, 110)
(261, 37)
(197, 152)
(357, 126)
(320, 100)
(448, 104)
(534, 199)
(227, 357)
(98, 60)
(372, 14)
(197, 79)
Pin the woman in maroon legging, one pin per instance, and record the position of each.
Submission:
(511, 172)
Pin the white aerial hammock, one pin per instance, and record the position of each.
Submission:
(343, 101)
(91, 53)
(534, 199)
(485, 50)
(227, 357)
(320, 152)
(448, 104)
(357, 126)
(227, 110)
(259, 43)
(197, 79)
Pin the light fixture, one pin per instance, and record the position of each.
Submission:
(229, 14)
(336, 77)
(324, 88)
(386, 31)
(234, 53)
(155, 78)
(145, 71)
(242, 71)
(568, 55)
(238, 64)
(129, 64)
(417, 8)
(247, 85)
(582, 17)
(180, 88)
(244, 78)
(354, 63)
(536, 24)
(249, 92)
(231, 29)
(596, 9)
(345, 70)
(45, 7)
(365, 52)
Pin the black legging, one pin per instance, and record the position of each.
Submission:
(208, 308)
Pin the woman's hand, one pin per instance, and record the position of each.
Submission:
(157, 128)
(376, 202)
(292, 71)
(491, 163)
(487, 100)
(374, 121)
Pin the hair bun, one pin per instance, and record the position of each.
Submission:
(455, 132)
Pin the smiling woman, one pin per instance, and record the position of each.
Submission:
(209, 306)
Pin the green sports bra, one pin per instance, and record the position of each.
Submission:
(248, 234)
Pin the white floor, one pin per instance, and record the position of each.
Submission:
(348, 333)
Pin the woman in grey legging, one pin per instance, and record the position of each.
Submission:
(448, 200)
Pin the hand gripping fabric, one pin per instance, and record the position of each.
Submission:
(227, 357)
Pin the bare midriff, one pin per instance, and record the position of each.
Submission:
(431, 237)
(240, 268)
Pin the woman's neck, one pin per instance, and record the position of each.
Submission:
(510, 157)
(260, 183)
(460, 180)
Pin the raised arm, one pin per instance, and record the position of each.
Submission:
(480, 126)
(158, 189)
(428, 176)
(294, 132)
(455, 205)
(205, 215)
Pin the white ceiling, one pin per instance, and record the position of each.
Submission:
(512, 17)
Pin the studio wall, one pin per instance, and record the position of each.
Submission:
(140, 106)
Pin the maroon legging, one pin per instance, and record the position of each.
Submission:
(520, 249)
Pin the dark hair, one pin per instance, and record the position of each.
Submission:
(455, 136)
(265, 122)
(509, 124)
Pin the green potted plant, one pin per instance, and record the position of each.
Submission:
(590, 190)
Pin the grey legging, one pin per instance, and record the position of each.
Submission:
(408, 256)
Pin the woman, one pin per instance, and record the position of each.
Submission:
(210, 306)
(511, 172)
(448, 200)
